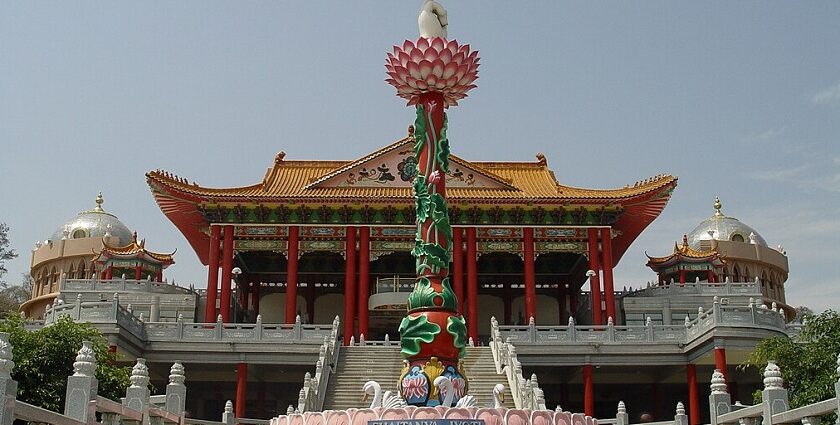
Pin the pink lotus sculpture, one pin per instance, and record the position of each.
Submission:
(432, 65)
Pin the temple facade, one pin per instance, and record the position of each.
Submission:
(324, 238)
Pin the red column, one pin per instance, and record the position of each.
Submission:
(711, 276)
(682, 277)
(530, 280)
(588, 391)
(109, 273)
(594, 282)
(693, 396)
(350, 285)
(720, 362)
(227, 266)
(364, 279)
(212, 274)
(292, 275)
(241, 386)
(138, 272)
(472, 285)
(458, 266)
(609, 290)
(160, 276)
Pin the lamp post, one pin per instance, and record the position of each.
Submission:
(592, 297)
(235, 272)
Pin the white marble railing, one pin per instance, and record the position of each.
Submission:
(751, 315)
(699, 288)
(121, 284)
(114, 312)
(526, 393)
(311, 397)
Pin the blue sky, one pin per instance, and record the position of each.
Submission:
(738, 99)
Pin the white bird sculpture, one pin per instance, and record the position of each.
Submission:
(388, 400)
(445, 387)
(498, 395)
(432, 20)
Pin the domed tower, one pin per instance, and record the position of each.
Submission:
(88, 246)
(722, 249)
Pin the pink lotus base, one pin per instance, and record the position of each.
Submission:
(500, 416)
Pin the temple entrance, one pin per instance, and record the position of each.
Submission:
(391, 280)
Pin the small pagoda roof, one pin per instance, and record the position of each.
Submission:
(134, 250)
(686, 254)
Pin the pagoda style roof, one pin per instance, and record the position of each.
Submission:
(686, 254)
(381, 180)
(134, 250)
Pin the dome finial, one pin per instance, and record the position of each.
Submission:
(99, 201)
(717, 206)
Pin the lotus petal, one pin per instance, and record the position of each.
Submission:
(414, 69)
(465, 49)
(462, 70)
(440, 85)
(416, 55)
(425, 68)
(422, 43)
(404, 58)
(438, 44)
(422, 85)
(412, 82)
(449, 70)
(408, 46)
(445, 56)
(430, 54)
(431, 80)
(437, 68)
(458, 58)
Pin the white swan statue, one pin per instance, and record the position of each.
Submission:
(498, 395)
(432, 20)
(389, 400)
(445, 387)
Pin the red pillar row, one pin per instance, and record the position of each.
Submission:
(458, 266)
(241, 388)
(292, 275)
(364, 279)
(138, 272)
(609, 289)
(594, 281)
(350, 285)
(530, 280)
(227, 266)
(212, 274)
(682, 277)
(588, 391)
(472, 284)
(693, 394)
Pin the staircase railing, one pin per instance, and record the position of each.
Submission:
(311, 397)
(526, 393)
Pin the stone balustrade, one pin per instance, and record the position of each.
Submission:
(699, 288)
(526, 393)
(110, 286)
(311, 397)
(750, 316)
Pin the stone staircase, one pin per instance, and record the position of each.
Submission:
(357, 365)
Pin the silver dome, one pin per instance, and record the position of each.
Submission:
(93, 223)
(723, 228)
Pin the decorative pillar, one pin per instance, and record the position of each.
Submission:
(682, 277)
(160, 275)
(720, 362)
(227, 266)
(472, 284)
(138, 272)
(364, 279)
(433, 334)
(241, 389)
(609, 289)
(693, 394)
(350, 285)
(458, 266)
(594, 282)
(530, 279)
(109, 273)
(292, 275)
(588, 391)
(212, 275)
(710, 276)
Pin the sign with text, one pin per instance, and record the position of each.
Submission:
(426, 422)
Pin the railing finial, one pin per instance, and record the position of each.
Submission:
(772, 375)
(718, 385)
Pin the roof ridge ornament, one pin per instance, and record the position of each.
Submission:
(99, 201)
(717, 206)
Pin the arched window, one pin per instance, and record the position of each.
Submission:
(737, 237)
(82, 272)
(79, 234)
(71, 274)
(747, 276)
(737, 272)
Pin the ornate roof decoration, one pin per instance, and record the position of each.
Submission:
(720, 227)
(686, 254)
(134, 250)
(93, 223)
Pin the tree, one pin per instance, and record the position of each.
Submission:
(44, 359)
(808, 361)
(12, 296)
(6, 253)
(802, 313)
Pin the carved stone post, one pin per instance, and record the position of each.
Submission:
(719, 398)
(8, 386)
(680, 417)
(82, 386)
(774, 397)
(176, 391)
(137, 394)
(154, 313)
(621, 417)
(227, 415)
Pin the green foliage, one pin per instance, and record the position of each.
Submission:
(5, 252)
(422, 199)
(424, 296)
(457, 327)
(44, 359)
(808, 362)
(443, 147)
(413, 331)
(419, 130)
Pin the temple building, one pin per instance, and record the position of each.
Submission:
(326, 238)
